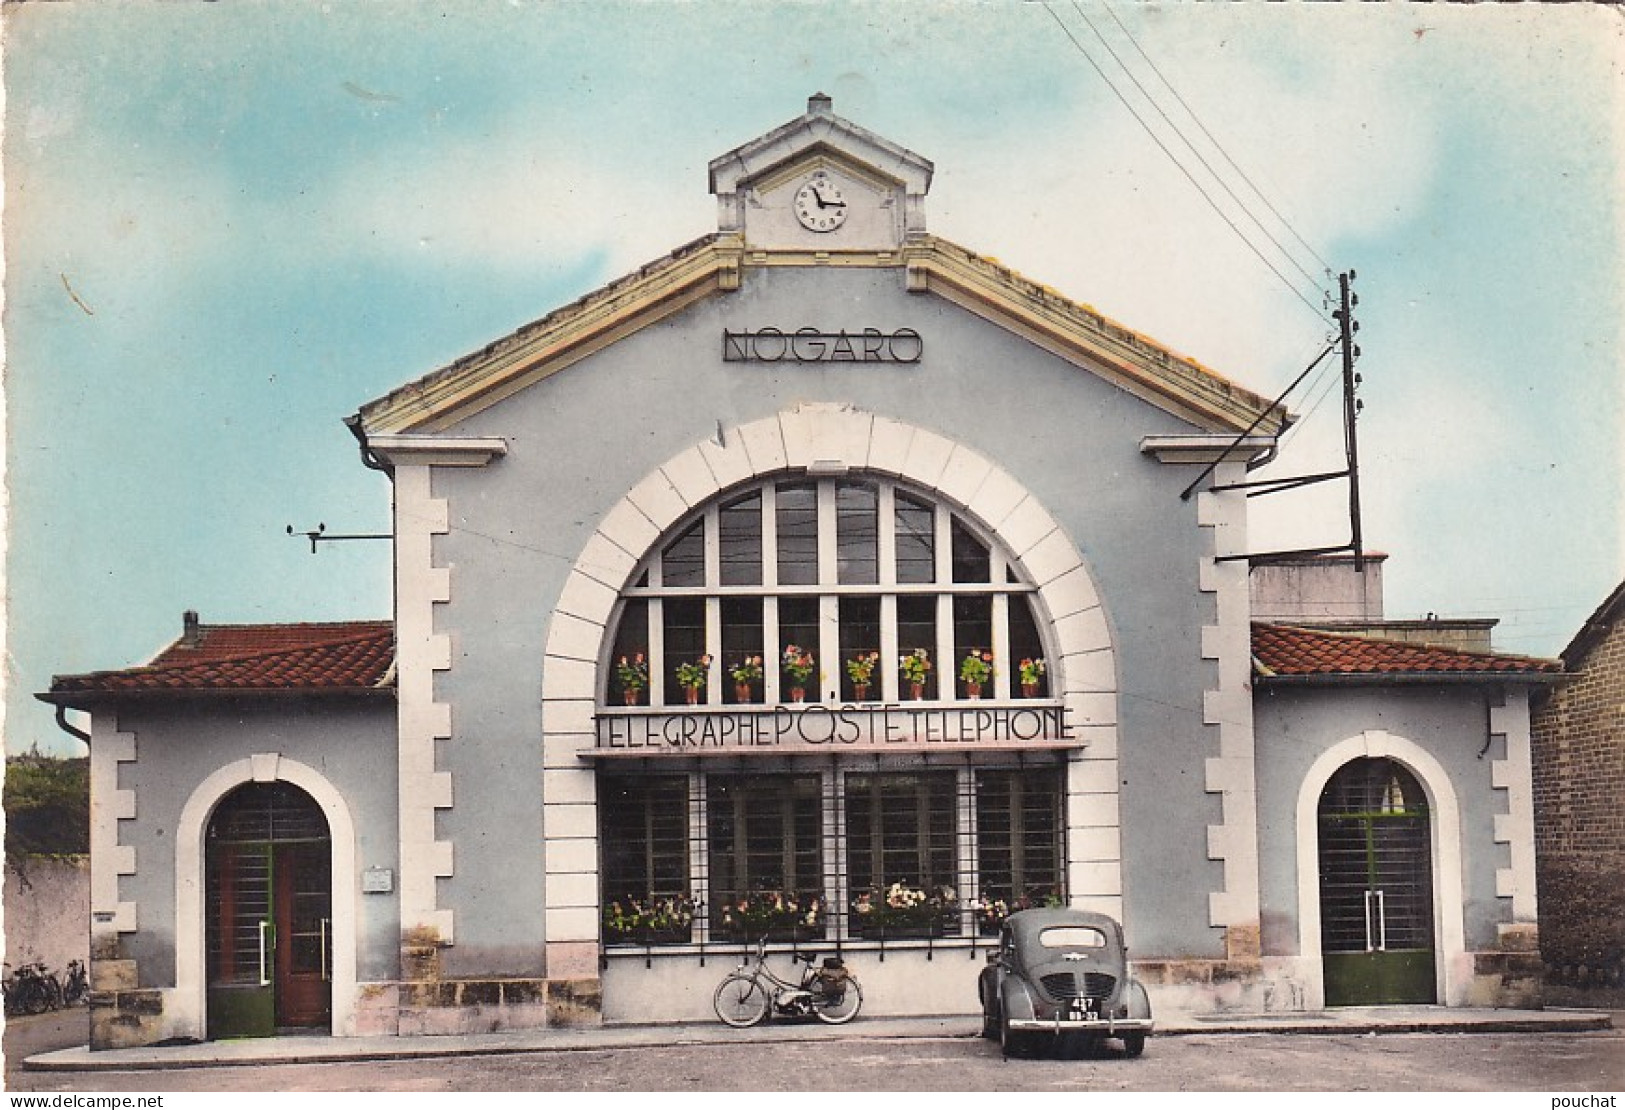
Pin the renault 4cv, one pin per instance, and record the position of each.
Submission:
(1059, 979)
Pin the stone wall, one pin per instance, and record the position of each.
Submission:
(1579, 779)
(47, 911)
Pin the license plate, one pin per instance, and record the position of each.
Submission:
(1084, 1010)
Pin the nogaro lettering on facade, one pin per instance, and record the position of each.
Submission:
(811, 345)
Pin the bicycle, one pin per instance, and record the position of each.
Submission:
(829, 992)
(32, 990)
(75, 984)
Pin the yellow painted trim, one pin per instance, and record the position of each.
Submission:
(980, 285)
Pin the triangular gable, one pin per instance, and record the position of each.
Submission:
(715, 264)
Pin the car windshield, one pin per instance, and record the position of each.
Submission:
(1072, 936)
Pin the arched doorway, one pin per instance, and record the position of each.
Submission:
(268, 898)
(1376, 886)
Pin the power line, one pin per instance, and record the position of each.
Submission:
(1319, 312)
(1192, 147)
(1216, 144)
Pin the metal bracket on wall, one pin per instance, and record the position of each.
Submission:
(319, 535)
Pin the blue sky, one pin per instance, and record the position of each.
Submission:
(229, 225)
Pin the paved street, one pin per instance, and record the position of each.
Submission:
(1564, 1062)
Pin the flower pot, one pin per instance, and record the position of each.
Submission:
(916, 690)
(973, 690)
(798, 694)
(1029, 689)
(631, 696)
(691, 694)
(742, 693)
(860, 691)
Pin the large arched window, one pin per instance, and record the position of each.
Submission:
(829, 583)
(816, 589)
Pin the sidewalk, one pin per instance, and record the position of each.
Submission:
(305, 1050)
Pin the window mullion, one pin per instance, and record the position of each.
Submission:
(829, 650)
(771, 647)
(657, 652)
(887, 508)
(890, 679)
(828, 549)
(835, 846)
(947, 660)
(699, 867)
(713, 545)
(967, 862)
(713, 648)
(770, 537)
(1000, 647)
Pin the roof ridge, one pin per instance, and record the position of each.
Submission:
(1474, 653)
(260, 653)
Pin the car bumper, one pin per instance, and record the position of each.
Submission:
(1103, 1027)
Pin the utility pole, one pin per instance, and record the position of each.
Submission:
(1347, 327)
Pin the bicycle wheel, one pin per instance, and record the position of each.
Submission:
(838, 1007)
(740, 1001)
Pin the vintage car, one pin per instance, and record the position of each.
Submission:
(1060, 979)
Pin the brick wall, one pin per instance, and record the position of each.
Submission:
(1579, 780)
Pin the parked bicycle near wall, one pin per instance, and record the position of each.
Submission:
(31, 990)
(75, 984)
(829, 992)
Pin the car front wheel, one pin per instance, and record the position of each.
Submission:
(1013, 1044)
(1133, 1045)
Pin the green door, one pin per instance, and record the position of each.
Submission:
(269, 891)
(1376, 887)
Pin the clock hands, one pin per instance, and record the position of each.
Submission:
(818, 195)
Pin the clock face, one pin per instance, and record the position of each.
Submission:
(819, 204)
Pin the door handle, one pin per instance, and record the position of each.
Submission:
(265, 977)
(1382, 924)
(326, 975)
(1369, 947)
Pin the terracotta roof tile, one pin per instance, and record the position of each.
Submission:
(1282, 650)
(250, 658)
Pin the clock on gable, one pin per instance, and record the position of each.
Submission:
(819, 203)
(821, 183)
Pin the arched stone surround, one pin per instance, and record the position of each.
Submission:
(1452, 964)
(789, 441)
(189, 1010)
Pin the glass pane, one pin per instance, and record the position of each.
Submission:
(901, 831)
(916, 541)
(797, 534)
(1018, 838)
(765, 852)
(798, 647)
(643, 839)
(239, 897)
(860, 648)
(917, 644)
(970, 556)
(973, 645)
(629, 660)
(684, 642)
(739, 523)
(742, 650)
(1030, 676)
(682, 563)
(857, 533)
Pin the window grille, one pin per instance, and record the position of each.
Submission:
(832, 856)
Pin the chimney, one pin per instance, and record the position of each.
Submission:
(191, 636)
